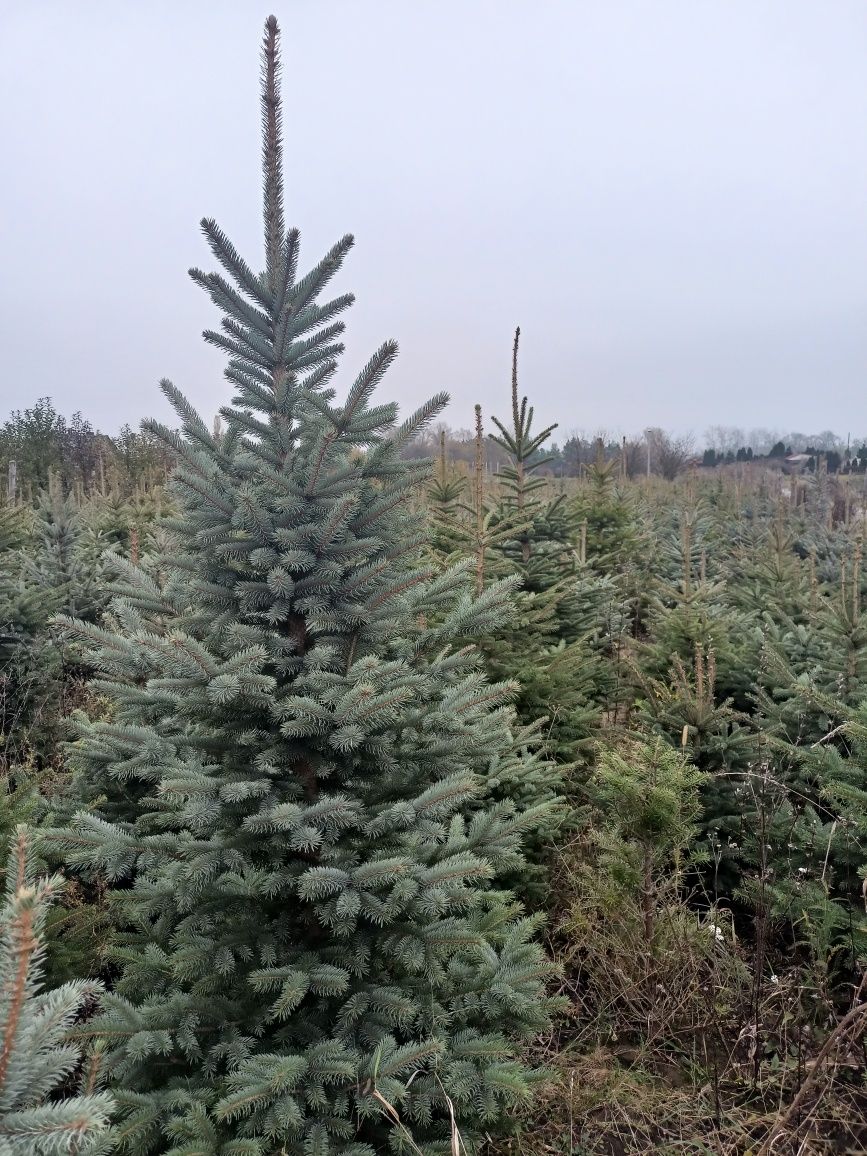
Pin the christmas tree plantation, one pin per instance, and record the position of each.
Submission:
(293, 794)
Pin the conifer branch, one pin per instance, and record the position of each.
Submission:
(24, 944)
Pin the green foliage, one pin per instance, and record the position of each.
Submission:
(610, 539)
(43, 445)
(551, 643)
(20, 610)
(648, 797)
(539, 545)
(445, 494)
(52, 562)
(65, 565)
(716, 621)
(19, 800)
(33, 439)
(36, 1055)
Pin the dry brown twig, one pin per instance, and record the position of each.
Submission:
(847, 1024)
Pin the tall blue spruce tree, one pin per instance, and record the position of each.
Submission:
(294, 794)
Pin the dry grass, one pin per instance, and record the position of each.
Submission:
(670, 1047)
(609, 1104)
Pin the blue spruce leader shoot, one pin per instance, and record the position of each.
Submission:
(303, 791)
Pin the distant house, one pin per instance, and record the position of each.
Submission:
(796, 463)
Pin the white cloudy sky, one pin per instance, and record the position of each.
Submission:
(667, 195)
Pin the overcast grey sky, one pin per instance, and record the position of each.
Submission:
(668, 196)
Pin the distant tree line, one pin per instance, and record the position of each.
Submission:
(833, 460)
(655, 452)
(38, 444)
(43, 443)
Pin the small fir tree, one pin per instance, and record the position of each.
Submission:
(296, 789)
(648, 798)
(31, 676)
(540, 546)
(447, 510)
(22, 610)
(66, 561)
(549, 643)
(610, 541)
